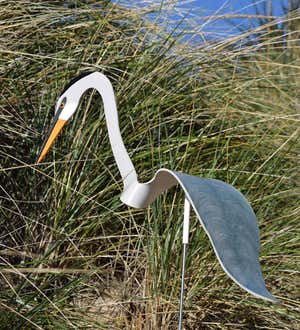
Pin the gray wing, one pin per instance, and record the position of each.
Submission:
(231, 225)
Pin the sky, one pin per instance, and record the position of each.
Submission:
(223, 7)
(238, 6)
(217, 27)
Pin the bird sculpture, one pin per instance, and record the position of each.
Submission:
(223, 211)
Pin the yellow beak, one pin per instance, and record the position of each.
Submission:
(56, 127)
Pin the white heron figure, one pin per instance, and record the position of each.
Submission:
(223, 211)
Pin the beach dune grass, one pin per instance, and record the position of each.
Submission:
(71, 255)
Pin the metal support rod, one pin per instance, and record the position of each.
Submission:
(185, 240)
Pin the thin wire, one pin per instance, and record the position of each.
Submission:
(182, 287)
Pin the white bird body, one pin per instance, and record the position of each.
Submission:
(223, 211)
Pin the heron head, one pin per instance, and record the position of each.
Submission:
(65, 107)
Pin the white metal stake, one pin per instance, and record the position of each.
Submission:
(185, 240)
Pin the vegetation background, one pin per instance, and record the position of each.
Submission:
(71, 255)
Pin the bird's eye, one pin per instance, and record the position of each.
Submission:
(63, 103)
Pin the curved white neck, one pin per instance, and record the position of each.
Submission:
(102, 84)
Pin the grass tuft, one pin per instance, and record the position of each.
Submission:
(71, 255)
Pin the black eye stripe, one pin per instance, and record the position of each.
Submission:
(73, 81)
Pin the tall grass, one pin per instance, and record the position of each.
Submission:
(71, 255)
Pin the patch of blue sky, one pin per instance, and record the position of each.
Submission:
(211, 18)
